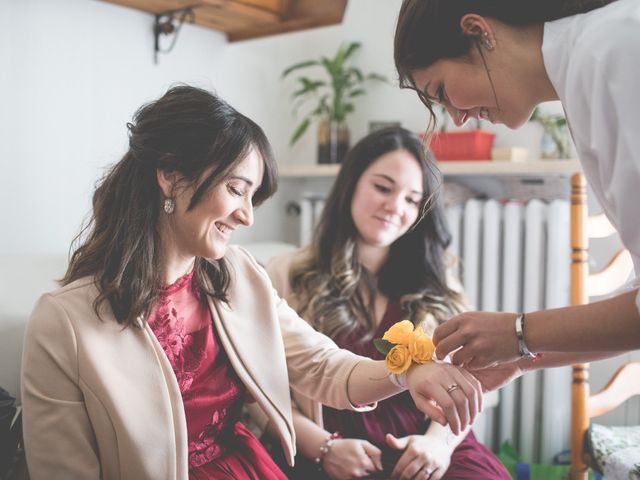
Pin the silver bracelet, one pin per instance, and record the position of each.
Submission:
(522, 346)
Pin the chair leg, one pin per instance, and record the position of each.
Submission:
(579, 420)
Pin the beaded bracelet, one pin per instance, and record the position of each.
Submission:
(324, 449)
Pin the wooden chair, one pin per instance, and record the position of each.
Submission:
(624, 383)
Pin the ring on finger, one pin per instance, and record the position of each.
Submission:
(452, 387)
(428, 472)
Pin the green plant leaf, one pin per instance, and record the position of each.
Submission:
(302, 128)
(351, 48)
(355, 73)
(328, 95)
(308, 86)
(322, 108)
(383, 346)
(343, 53)
(376, 77)
(331, 67)
(297, 66)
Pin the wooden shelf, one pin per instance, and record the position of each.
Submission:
(245, 19)
(480, 167)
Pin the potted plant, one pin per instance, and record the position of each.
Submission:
(555, 141)
(331, 96)
(474, 144)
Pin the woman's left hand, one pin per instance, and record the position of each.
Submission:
(422, 459)
(446, 393)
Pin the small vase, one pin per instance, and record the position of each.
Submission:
(333, 141)
(548, 147)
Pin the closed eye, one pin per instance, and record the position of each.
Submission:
(442, 96)
(235, 191)
(382, 188)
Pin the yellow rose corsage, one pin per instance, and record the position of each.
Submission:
(403, 344)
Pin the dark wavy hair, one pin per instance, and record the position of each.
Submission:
(188, 130)
(329, 280)
(429, 30)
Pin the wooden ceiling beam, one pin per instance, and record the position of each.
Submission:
(245, 19)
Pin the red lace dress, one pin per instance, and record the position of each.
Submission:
(220, 447)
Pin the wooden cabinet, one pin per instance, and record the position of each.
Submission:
(245, 19)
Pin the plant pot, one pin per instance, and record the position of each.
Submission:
(462, 145)
(333, 141)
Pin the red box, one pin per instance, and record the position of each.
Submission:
(462, 145)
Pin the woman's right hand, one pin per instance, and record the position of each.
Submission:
(446, 393)
(351, 458)
(478, 339)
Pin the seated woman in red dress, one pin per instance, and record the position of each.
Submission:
(378, 257)
(137, 367)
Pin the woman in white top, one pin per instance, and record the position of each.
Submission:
(498, 59)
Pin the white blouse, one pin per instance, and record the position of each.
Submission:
(593, 62)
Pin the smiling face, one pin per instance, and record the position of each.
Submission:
(205, 230)
(464, 88)
(387, 199)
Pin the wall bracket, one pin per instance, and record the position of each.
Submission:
(169, 24)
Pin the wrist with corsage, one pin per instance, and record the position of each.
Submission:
(403, 345)
(523, 350)
(324, 449)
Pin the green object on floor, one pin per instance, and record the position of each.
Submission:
(518, 470)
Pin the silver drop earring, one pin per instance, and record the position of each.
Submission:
(169, 206)
(486, 42)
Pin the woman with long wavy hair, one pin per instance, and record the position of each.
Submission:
(138, 366)
(378, 256)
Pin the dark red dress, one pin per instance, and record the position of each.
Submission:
(399, 416)
(220, 447)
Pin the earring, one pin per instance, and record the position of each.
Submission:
(169, 206)
(486, 41)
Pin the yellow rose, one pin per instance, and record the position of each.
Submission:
(400, 333)
(421, 347)
(398, 359)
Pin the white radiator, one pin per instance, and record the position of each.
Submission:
(310, 210)
(514, 256)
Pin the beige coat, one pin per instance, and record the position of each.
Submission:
(278, 269)
(101, 401)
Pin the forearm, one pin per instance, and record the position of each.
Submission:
(611, 325)
(559, 359)
(369, 382)
(309, 436)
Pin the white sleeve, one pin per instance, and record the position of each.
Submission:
(623, 103)
(608, 139)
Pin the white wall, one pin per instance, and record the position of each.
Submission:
(74, 71)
